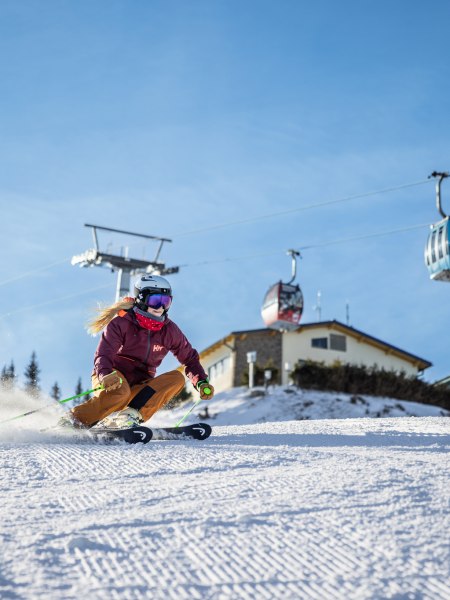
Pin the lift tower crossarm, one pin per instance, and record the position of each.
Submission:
(141, 235)
(125, 265)
(150, 237)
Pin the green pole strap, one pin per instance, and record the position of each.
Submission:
(30, 412)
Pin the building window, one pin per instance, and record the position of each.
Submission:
(319, 342)
(219, 368)
(338, 342)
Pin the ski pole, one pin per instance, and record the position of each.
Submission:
(206, 391)
(30, 412)
(188, 412)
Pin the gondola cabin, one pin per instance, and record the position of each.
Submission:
(437, 251)
(283, 306)
(437, 255)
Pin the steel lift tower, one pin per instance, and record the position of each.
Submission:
(125, 265)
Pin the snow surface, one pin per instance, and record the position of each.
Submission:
(316, 508)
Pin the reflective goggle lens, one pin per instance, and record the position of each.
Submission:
(158, 300)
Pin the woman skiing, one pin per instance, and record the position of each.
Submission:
(137, 335)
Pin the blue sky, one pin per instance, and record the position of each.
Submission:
(169, 118)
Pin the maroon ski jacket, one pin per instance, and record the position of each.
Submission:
(137, 352)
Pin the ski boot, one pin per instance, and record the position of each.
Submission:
(69, 421)
(122, 419)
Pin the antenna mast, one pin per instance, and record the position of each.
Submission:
(125, 265)
(318, 306)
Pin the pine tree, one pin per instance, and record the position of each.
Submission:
(12, 374)
(32, 376)
(79, 387)
(55, 392)
(8, 377)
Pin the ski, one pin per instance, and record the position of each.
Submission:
(197, 431)
(131, 435)
(141, 434)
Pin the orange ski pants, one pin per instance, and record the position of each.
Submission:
(146, 397)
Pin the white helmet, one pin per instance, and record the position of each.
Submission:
(148, 285)
(154, 284)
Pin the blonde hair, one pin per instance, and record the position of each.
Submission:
(107, 314)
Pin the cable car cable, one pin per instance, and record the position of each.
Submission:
(53, 300)
(38, 270)
(299, 209)
(308, 247)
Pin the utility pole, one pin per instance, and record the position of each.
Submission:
(123, 264)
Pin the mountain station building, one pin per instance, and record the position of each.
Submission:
(226, 361)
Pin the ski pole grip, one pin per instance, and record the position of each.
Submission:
(102, 387)
(206, 389)
(120, 378)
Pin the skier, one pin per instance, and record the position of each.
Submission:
(137, 335)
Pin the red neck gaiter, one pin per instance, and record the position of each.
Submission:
(149, 323)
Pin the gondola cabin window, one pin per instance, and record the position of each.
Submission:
(440, 245)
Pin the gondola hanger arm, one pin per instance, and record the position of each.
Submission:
(293, 254)
(439, 178)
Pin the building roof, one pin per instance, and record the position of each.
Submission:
(420, 363)
(445, 381)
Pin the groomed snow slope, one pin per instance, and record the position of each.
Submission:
(324, 509)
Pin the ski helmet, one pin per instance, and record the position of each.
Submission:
(149, 285)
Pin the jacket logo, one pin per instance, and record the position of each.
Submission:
(157, 348)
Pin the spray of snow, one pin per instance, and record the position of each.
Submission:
(16, 403)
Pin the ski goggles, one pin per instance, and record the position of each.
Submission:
(158, 301)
